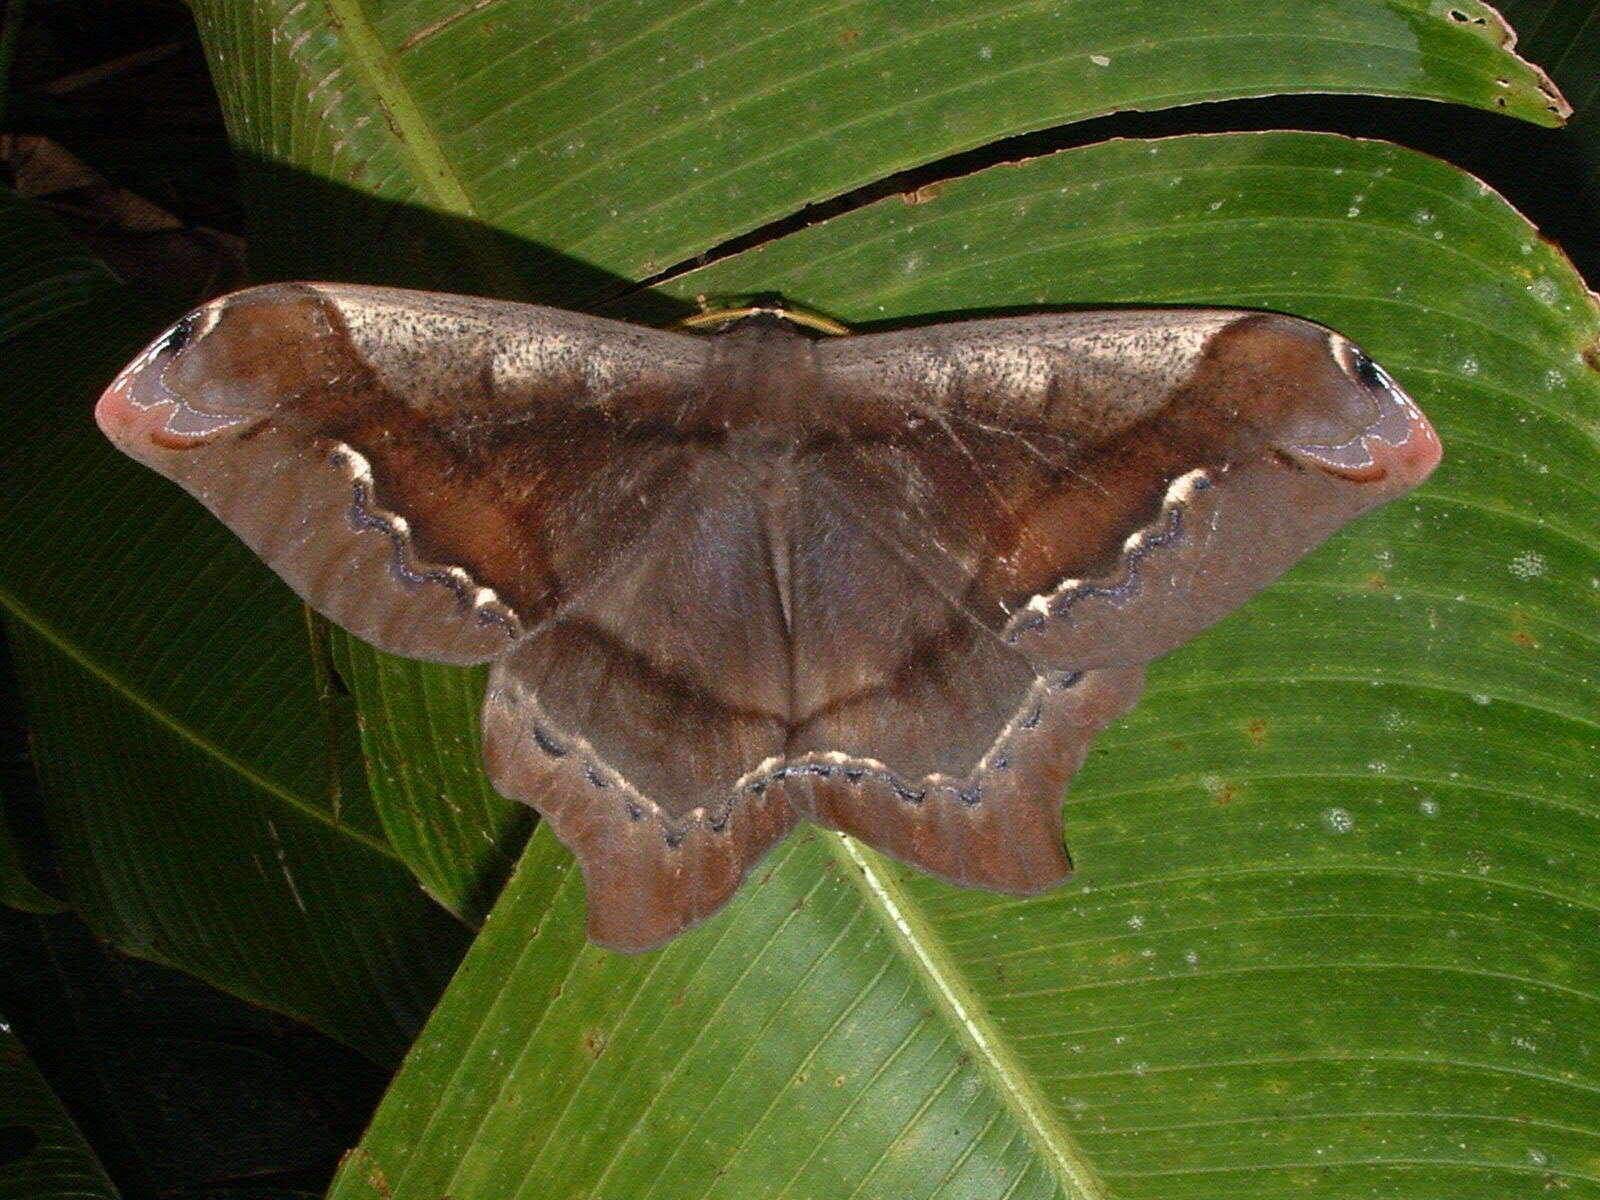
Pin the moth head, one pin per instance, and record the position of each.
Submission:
(765, 309)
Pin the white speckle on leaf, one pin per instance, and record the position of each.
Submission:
(1378, 767)
(1544, 290)
(1469, 365)
(1100, 60)
(1353, 211)
(1338, 820)
(1428, 808)
(1136, 922)
(986, 52)
(1423, 216)
(1529, 564)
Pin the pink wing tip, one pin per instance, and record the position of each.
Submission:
(1414, 457)
(138, 411)
(1395, 453)
(119, 418)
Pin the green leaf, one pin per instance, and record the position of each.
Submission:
(629, 138)
(192, 802)
(16, 889)
(1332, 931)
(419, 728)
(177, 1085)
(1566, 38)
(42, 1153)
(42, 273)
(372, 96)
(1332, 928)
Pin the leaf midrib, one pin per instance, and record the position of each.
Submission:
(967, 1017)
(378, 70)
(11, 604)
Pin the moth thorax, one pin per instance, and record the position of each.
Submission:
(758, 382)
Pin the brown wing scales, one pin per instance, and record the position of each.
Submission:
(892, 584)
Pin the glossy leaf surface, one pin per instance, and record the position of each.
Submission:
(42, 1153)
(437, 170)
(1332, 932)
(202, 810)
(627, 137)
(1333, 915)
